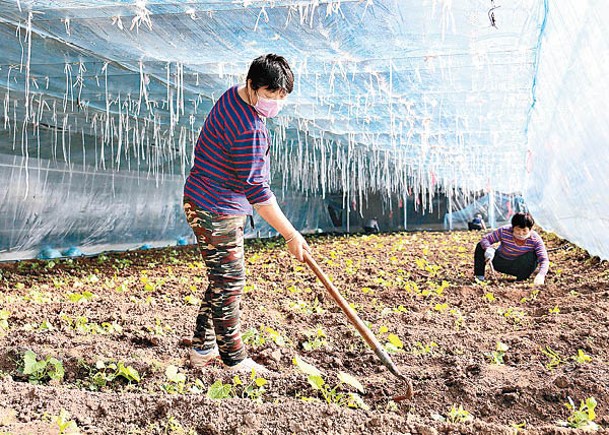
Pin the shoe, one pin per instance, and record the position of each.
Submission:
(200, 358)
(247, 365)
(479, 278)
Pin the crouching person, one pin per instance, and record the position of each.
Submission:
(519, 253)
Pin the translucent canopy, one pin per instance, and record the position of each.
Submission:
(103, 102)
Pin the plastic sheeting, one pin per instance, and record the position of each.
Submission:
(568, 131)
(103, 101)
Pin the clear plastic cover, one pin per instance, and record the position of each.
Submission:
(396, 100)
(568, 133)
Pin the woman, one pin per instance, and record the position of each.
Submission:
(230, 174)
(477, 223)
(520, 251)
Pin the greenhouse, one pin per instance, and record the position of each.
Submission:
(404, 126)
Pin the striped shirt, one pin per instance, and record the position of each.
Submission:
(509, 250)
(231, 167)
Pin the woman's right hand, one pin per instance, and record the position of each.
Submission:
(297, 245)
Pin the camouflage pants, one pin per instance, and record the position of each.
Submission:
(220, 240)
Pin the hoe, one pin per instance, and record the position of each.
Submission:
(364, 331)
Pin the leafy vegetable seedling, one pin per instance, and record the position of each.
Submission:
(39, 371)
(582, 417)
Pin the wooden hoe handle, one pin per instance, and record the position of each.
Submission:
(352, 316)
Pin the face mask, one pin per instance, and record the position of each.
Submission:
(267, 108)
(522, 237)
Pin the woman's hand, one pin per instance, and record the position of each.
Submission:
(539, 280)
(297, 245)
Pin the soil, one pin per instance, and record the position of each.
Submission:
(415, 289)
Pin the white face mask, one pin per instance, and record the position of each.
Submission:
(519, 237)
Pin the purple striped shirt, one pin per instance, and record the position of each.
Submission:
(231, 168)
(509, 250)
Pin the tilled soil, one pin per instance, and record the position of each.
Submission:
(415, 290)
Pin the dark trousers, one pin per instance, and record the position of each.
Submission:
(472, 226)
(521, 267)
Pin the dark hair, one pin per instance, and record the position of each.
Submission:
(272, 71)
(523, 220)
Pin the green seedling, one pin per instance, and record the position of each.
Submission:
(158, 328)
(316, 339)
(436, 289)
(490, 297)
(392, 406)
(63, 422)
(394, 344)
(411, 287)
(122, 287)
(424, 265)
(275, 336)
(367, 291)
(192, 300)
(304, 307)
(37, 297)
(513, 315)
(518, 427)
(85, 296)
(173, 427)
(532, 296)
(581, 357)
(177, 381)
(400, 309)
(424, 349)
(150, 286)
(554, 358)
(45, 325)
(92, 278)
(290, 289)
(253, 390)
(39, 371)
(335, 395)
(381, 282)
(458, 415)
(496, 356)
(111, 327)
(351, 269)
(440, 307)
(459, 318)
(253, 337)
(82, 326)
(582, 417)
(107, 372)
(554, 310)
(219, 391)
(4, 315)
(258, 337)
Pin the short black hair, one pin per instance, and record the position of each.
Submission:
(523, 220)
(272, 71)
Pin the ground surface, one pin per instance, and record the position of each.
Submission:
(415, 290)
